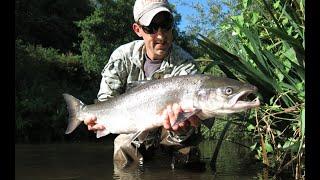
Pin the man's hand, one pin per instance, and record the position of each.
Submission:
(170, 116)
(91, 122)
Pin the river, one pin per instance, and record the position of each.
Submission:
(94, 161)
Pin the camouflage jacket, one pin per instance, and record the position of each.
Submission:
(126, 63)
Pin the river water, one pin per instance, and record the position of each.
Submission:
(94, 161)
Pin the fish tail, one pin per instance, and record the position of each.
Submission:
(74, 106)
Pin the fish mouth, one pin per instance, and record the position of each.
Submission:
(246, 100)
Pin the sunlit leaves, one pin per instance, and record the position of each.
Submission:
(264, 45)
(103, 31)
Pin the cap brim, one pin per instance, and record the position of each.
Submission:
(146, 19)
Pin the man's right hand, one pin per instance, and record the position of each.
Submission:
(170, 115)
(91, 122)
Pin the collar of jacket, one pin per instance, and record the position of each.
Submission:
(138, 56)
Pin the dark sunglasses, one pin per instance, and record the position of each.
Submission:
(153, 27)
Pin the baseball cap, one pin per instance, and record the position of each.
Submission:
(145, 10)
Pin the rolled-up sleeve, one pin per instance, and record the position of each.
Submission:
(113, 79)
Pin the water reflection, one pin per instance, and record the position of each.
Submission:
(95, 161)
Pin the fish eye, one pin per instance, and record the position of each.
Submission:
(228, 90)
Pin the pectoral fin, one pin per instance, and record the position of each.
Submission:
(184, 116)
(102, 133)
(143, 135)
(134, 136)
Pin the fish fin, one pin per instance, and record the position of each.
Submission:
(208, 122)
(134, 136)
(102, 133)
(140, 135)
(184, 116)
(143, 135)
(74, 106)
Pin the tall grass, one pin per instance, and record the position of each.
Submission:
(265, 46)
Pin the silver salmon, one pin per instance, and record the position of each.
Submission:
(141, 107)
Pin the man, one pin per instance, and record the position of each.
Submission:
(154, 57)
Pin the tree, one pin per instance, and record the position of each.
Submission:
(50, 23)
(106, 28)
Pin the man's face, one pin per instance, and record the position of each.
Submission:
(158, 40)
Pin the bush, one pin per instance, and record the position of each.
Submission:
(41, 76)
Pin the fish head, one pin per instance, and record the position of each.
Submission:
(225, 97)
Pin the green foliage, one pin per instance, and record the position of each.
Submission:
(265, 53)
(50, 23)
(41, 76)
(264, 45)
(108, 27)
(188, 43)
